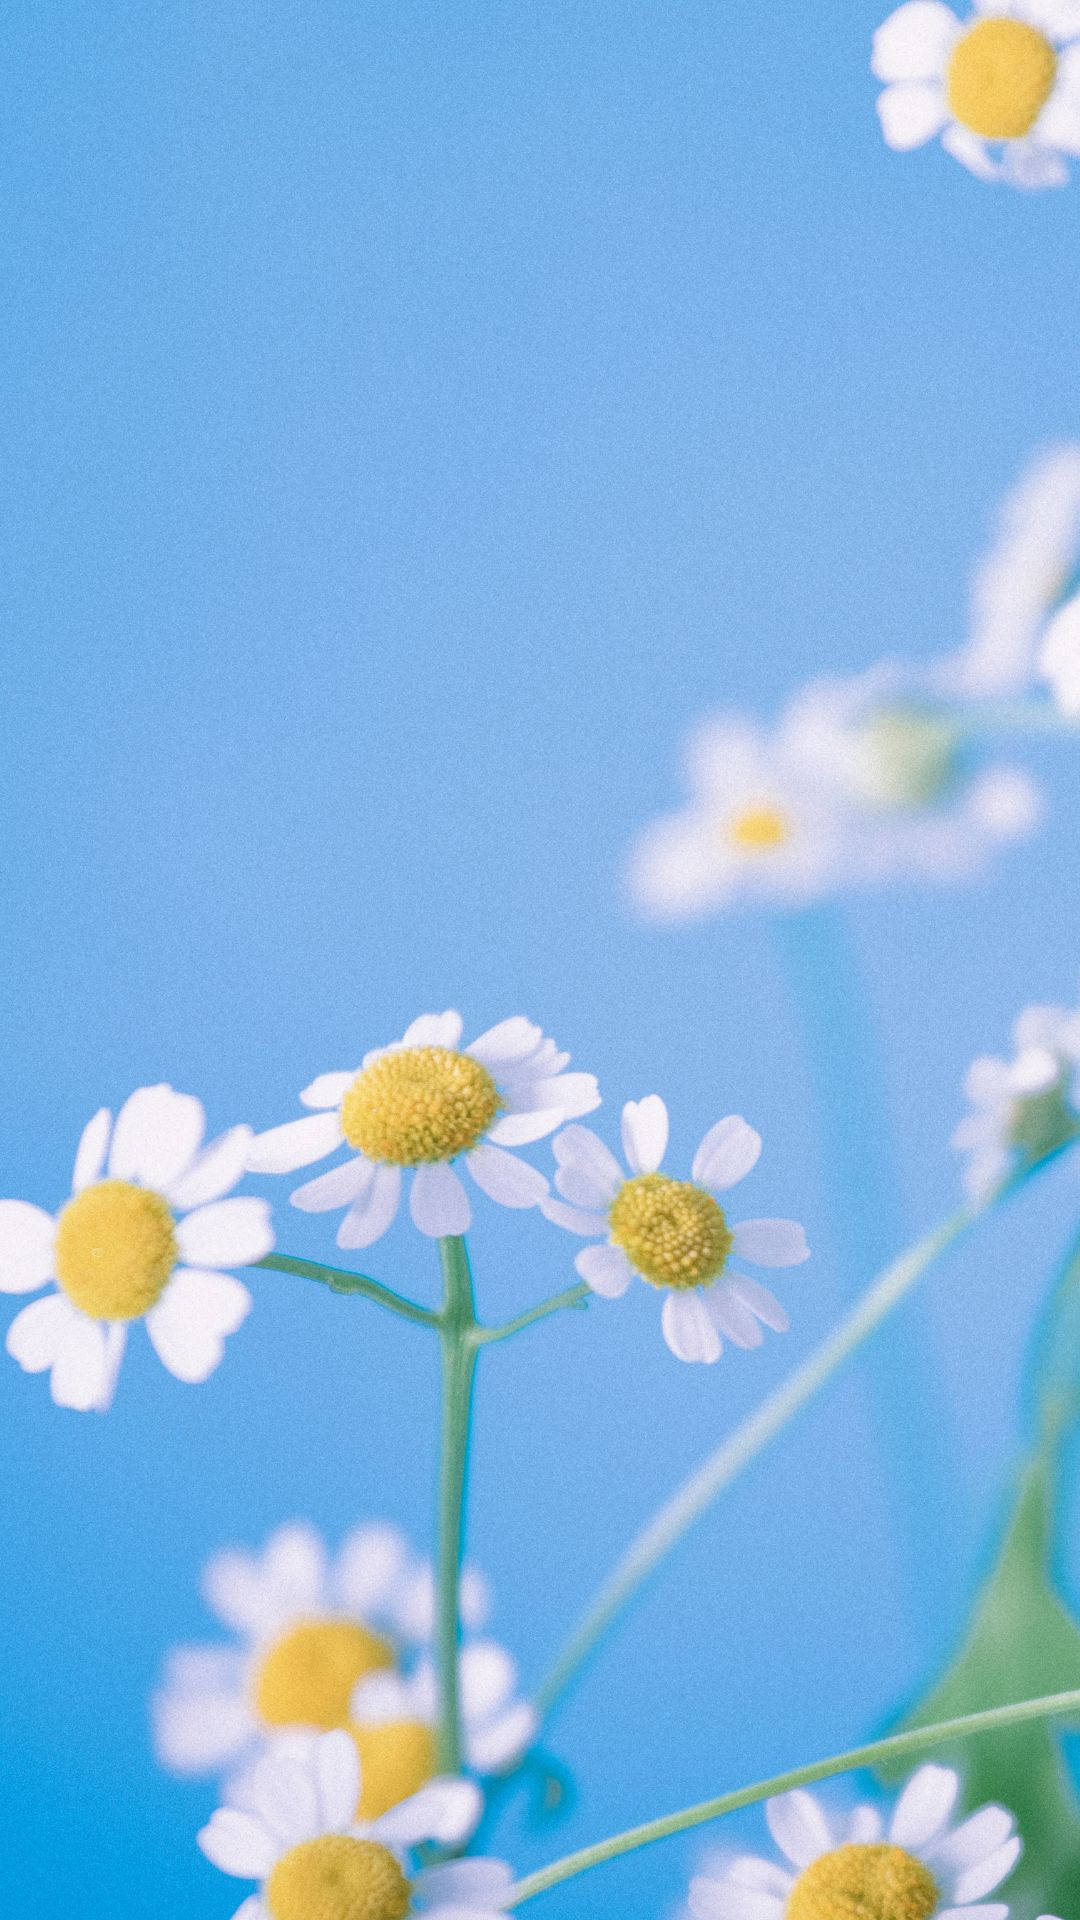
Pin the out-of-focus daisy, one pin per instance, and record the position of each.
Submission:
(674, 1233)
(1059, 658)
(1026, 1107)
(1002, 87)
(497, 1726)
(421, 1104)
(144, 1236)
(297, 1835)
(920, 1867)
(308, 1627)
(881, 735)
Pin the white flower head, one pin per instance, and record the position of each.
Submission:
(1023, 1108)
(920, 1864)
(1059, 658)
(497, 1726)
(674, 1233)
(882, 736)
(297, 1835)
(144, 1237)
(419, 1105)
(1002, 87)
(307, 1626)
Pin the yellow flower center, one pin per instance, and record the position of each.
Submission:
(673, 1233)
(759, 830)
(1001, 74)
(396, 1759)
(422, 1104)
(115, 1250)
(306, 1678)
(863, 1883)
(337, 1878)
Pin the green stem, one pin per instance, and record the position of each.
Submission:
(898, 1746)
(340, 1281)
(572, 1297)
(456, 1326)
(1025, 717)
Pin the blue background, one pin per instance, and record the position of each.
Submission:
(414, 417)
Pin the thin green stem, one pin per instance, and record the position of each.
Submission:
(1025, 717)
(898, 1746)
(456, 1324)
(572, 1297)
(340, 1281)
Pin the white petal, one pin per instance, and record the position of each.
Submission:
(759, 1300)
(605, 1269)
(512, 1182)
(384, 1696)
(988, 1873)
(82, 1376)
(1059, 126)
(978, 1836)
(37, 1334)
(215, 1172)
(992, 1912)
(914, 43)
(476, 1882)
(433, 1030)
(294, 1564)
(91, 1151)
(924, 1807)
(336, 1770)
(580, 1149)
(115, 1344)
(911, 112)
(296, 1144)
(749, 1870)
(501, 1741)
(573, 1093)
(732, 1318)
(986, 1082)
(971, 152)
(438, 1202)
(327, 1090)
(573, 1219)
(158, 1132)
(507, 1044)
(644, 1133)
(727, 1900)
(1032, 167)
(338, 1188)
(521, 1129)
(26, 1246)
(688, 1328)
(281, 1794)
(251, 1909)
(445, 1810)
(726, 1154)
(771, 1243)
(226, 1233)
(1034, 1071)
(188, 1325)
(798, 1826)
(865, 1827)
(200, 1733)
(369, 1217)
(488, 1678)
(370, 1564)
(238, 1843)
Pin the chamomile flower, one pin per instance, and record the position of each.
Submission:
(497, 1726)
(1059, 658)
(144, 1236)
(1024, 1108)
(307, 1626)
(672, 1233)
(920, 1866)
(418, 1106)
(1002, 88)
(297, 1835)
(881, 735)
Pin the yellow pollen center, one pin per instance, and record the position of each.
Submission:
(877, 1882)
(306, 1678)
(115, 1250)
(421, 1104)
(337, 1878)
(1001, 74)
(673, 1233)
(396, 1760)
(759, 830)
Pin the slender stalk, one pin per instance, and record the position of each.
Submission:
(880, 1752)
(992, 717)
(572, 1297)
(340, 1281)
(456, 1324)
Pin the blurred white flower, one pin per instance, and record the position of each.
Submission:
(296, 1833)
(420, 1104)
(497, 1726)
(1002, 88)
(674, 1233)
(920, 1866)
(1024, 1108)
(144, 1238)
(1059, 658)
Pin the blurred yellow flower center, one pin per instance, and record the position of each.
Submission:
(421, 1104)
(396, 1759)
(115, 1250)
(863, 1883)
(759, 829)
(306, 1677)
(337, 1878)
(673, 1233)
(1001, 74)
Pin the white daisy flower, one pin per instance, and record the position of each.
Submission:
(420, 1104)
(920, 1866)
(1002, 87)
(497, 1726)
(298, 1836)
(1024, 1108)
(308, 1627)
(142, 1238)
(674, 1233)
(1059, 658)
(882, 735)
